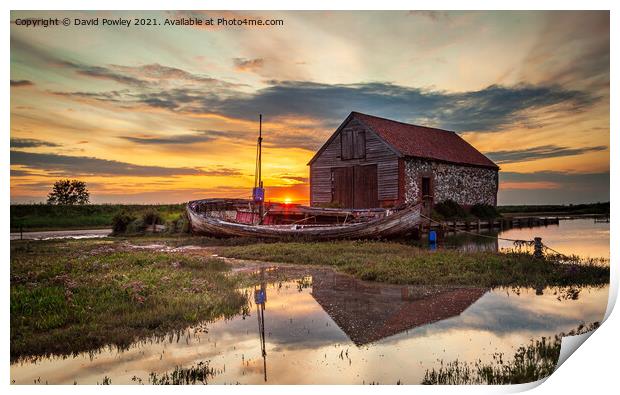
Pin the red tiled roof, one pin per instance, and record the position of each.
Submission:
(425, 142)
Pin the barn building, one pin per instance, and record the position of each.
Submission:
(376, 162)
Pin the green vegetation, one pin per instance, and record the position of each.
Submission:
(449, 209)
(573, 209)
(78, 295)
(532, 362)
(404, 264)
(484, 211)
(69, 192)
(199, 373)
(32, 217)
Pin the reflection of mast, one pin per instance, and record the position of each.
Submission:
(260, 297)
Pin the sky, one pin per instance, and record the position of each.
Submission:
(164, 114)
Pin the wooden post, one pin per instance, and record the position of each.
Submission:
(478, 225)
(21, 232)
(538, 247)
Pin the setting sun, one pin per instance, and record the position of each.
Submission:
(287, 200)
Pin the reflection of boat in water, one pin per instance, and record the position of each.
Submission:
(368, 312)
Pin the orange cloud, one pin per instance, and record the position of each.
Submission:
(529, 185)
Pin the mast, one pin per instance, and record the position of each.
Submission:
(260, 149)
(258, 193)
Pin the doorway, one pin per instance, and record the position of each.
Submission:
(355, 186)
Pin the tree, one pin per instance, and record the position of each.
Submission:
(69, 192)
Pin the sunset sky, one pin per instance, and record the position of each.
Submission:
(158, 114)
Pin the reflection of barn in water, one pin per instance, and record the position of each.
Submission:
(369, 312)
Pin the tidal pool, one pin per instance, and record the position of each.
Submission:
(315, 326)
(583, 237)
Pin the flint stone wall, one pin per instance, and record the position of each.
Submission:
(465, 185)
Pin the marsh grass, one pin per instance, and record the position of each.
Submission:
(195, 374)
(405, 264)
(531, 362)
(74, 296)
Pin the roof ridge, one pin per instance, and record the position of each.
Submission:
(405, 123)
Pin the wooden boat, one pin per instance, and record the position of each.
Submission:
(240, 218)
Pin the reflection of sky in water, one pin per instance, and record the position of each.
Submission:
(305, 345)
(581, 237)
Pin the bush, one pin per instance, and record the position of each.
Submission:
(137, 226)
(449, 209)
(121, 221)
(484, 211)
(183, 224)
(152, 216)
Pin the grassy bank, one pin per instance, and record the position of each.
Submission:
(531, 362)
(72, 296)
(404, 264)
(37, 217)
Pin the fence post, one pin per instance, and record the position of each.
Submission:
(538, 247)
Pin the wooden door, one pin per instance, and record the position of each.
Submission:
(355, 186)
(342, 186)
(366, 193)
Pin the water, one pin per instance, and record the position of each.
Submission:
(582, 237)
(62, 234)
(321, 327)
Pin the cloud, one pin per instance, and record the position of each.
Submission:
(102, 73)
(581, 41)
(31, 143)
(221, 171)
(540, 152)
(21, 173)
(81, 165)
(200, 136)
(243, 64)
(490, 109)
(156, 74)
(435, 16)
(21, 83)
(147, 76)
(296, 179)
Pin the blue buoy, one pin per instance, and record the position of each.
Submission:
(432, 237)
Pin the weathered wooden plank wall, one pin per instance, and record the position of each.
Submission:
(377, 152)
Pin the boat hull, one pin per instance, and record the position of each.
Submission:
(385, 224)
